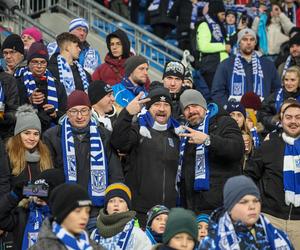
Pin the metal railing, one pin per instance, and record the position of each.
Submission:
(103, 21)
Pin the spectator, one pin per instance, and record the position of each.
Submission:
(120, 7)
(291, 10)
(31, 35)
(240, 224)
(82, 149)
(202, 220)
(154, 136)
(89, 57)
(65, 67)
(244, 72)
(274, 166)
(4, 171)
(204, 163)
(118, 214)
(231, 29)
(157, 218)
(113, 69)
(136, 76)
(70, 206)
(102, 101)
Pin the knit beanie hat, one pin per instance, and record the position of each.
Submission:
(202, 218)
(295, 40)
(97, 90)
(118, 190)
(180, 220)
(132, 63)
(251, 100)
(236, 188)
(174, 68)
(192, 96)
(215, 7)
(37, 50)
(154, 212)
(235, 106)
(78, 22)
(244, 32)
(34, 33)
(159, 94)
(65, 198)
(78, 98)
(15, 42)
(27, 119)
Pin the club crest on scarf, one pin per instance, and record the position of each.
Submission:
(98, 181)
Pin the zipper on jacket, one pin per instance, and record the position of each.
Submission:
(164, 176)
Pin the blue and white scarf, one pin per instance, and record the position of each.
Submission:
(19, 72)
(155, 5)
(135, 89)
(196, 8)
(89, 59)
(98, 162)
(228, 239)
(279, 99)
(118, 242)
(36, 216)
(291, 170)
(146, 121)
(238, 79)
(71, 242)
(30, 85)
(201, 181)
(287, 65)
(1, 95)
(66, 75)
(293, 18)
(255, 137)
(215, 29)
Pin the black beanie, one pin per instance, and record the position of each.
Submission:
(159, 94)
(37, 50)
(118, 190)
(215, 7)
(132, 63)
(174, 68)
(15, 42)
(295, 40)
(97, 90)
(65, 198)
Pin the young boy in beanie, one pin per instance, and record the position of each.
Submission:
(70, 207)
(202, 220)
(156, 223)
(116, 228)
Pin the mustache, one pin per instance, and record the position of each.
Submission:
(192, 114)
(160, 113)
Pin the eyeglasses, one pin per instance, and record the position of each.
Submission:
(83, 112)
(38, 63)
(9, 52)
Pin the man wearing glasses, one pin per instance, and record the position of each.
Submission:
(82, 148)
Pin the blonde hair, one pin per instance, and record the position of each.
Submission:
(293, 69)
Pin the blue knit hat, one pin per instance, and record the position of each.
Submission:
(235, 106)
(202, 218)
(78, 22)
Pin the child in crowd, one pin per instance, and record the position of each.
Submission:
(70, 207)
(202, 220)
(231, 28)
(156, 223)
(116, 229)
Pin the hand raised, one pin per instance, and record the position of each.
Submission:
(135, 106)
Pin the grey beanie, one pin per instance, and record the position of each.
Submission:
(244, 32)
(27, 119)
(236, 188)
(133, 62)
(192, 96)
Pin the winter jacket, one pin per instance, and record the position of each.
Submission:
(277, 32)
(160, 16)
(152, 165)
(222, 81)
(4, 170)
(48, 240)
(224, 162)
(11, 101)
(266, 169)
(294, 62)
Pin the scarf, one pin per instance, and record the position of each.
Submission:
(1, 96)
(98, 162)
(291, 170)
(291, 13)
(287, 64)
(196, 8)
(30, 85)
(89, 59)
(215, 29)
(146, 121)
(227, 237)
(52, 48)
(153, 236)
(34, 222)
(231, 30)
(32, 157)
(135, 89)
(262, 33)
(255, 137)
(19, 72)
(201, 181)
(66, 75)
(155, 5)
(238, 81)
(71, 242)
(280, 98)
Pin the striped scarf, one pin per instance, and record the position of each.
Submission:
(30, 85)
(291, 170)
(238, 81)
(98, 162)
(70, 241)
(287, 64)
(201, 181)
(255, 137)
(279, 99)
(19, 72)
(66, 75)
(1, 95)
(215, 29)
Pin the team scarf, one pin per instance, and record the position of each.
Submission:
(89, 59)
(215, 29)
(227, 237)
(19, 72)
(98, 162)
(119, 241)
(135, 89)
(66, 75)
(291, 170)
(255, 137)
(287, 64)
(293, 16)
(238, 81)
(36, 216)
(146, 121)
(71, 242)
(196, 8)
(155, 5)
(201, 181)
(1, 95)
(30, 85)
